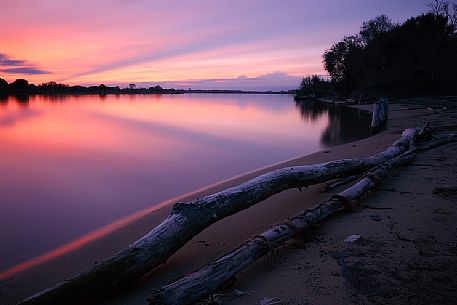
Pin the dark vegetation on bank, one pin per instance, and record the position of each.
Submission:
(416, 57)
(22, 87)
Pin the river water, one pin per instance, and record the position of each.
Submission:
(72, 164)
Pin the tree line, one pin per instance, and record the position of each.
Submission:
(22, 86)
(416, 57)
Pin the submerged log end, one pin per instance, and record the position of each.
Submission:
(380, 115)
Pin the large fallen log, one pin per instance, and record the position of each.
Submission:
(187, 219)
(208, 279)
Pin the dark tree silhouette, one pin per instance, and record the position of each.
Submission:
(155, 89)
(19, 85)
(52, 87)
(3, 85)
(341, 62)
(314, 86)
(22, 87)
(375, 27)
(444, 8)
(416, 57)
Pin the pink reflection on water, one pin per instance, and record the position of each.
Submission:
(71, 246)
(73, 164)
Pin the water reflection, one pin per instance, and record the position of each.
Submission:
(22, 99)
(344, 124)
(10, 119)
(72, 164)
(3, 99)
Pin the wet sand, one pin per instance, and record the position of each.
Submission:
(325, 270)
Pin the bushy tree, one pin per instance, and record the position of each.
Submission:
(19, 85)
(52, 87)
(341, 62)
(156, 88)
(375, 27)
(314, 86)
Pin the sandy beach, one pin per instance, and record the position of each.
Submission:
(407, 253)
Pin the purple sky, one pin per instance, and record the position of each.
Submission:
(260, 44)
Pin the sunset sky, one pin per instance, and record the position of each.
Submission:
(258, 44)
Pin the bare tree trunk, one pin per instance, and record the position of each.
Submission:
(208, 279)
(190, 218)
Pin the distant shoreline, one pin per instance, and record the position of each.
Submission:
(146, 92)
(21, 87)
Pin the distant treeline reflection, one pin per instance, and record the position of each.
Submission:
(344, 124)
(24, 99)
(21, 99)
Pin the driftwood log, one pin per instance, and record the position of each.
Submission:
(187, 219)
(380, 115)
(208, 279)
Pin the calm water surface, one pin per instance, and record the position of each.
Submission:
(70, 165)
